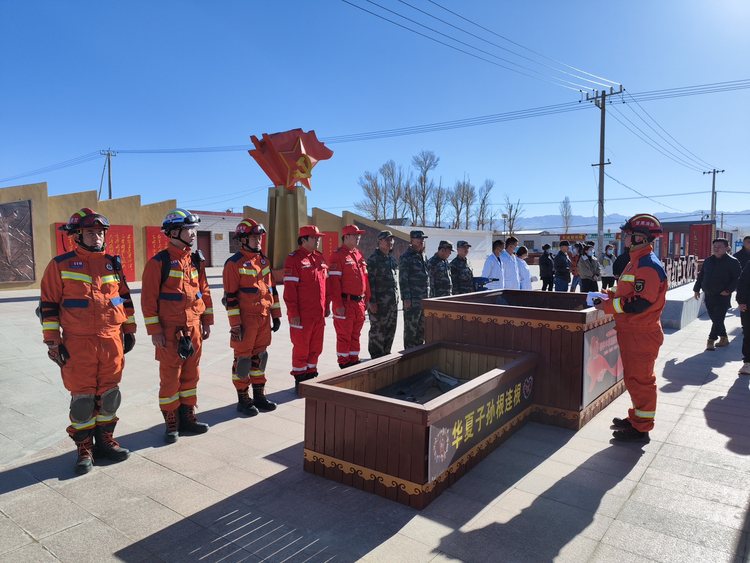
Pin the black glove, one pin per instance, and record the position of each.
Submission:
(129, 343)
(58, 354)
(237, 333)
(276, 325)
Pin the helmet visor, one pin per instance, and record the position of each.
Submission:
(93, 222)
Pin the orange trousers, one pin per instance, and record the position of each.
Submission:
(256, 339)
(179, 378)
(638, 351)
(348, 330)
(95, 366)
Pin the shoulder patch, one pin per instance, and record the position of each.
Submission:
(66, 256)
(235, 258)
(651, 261)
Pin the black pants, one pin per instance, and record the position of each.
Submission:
(717, 306)
(547, 283)
(745, 317)
(607, 281)
(589, 285)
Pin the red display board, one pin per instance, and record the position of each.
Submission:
(331, 241)
(156, 241)
(119, 241)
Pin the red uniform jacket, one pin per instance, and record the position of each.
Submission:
(83, 294)
(641, 293)
(347, 274)
(305, 276)
(183, 300)
(250, 287)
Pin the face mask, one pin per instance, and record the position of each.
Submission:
(609, 253)
(575, 251)
(590, 253)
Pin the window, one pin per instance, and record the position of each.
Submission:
(234, 244)
(529, 244)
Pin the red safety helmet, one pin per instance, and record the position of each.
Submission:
(644, 224)
(249, 227)
(85, 219)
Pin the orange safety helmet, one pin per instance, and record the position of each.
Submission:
(249, 227)
(644, 224)
(85, 219)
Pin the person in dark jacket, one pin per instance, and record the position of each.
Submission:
(743, 254)
(718, 279)
(562, 267)
(621, 262)
(546, 268)
(743, 296)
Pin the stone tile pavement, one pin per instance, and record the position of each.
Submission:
(239, 493)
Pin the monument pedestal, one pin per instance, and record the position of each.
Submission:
(287, 212)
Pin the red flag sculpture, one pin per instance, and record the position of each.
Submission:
(288, 158)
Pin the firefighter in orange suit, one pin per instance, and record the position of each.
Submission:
(305, 273)
(637, 305)
(178, 311)
(349, 291)
(85, 293)
(252, 304)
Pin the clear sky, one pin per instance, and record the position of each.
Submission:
(78, 77)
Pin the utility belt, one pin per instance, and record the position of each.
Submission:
(355, 298)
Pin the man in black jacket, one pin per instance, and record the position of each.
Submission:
(718, 279)
(743, 296)
(743, 254)
(562, 267)
(546, 268)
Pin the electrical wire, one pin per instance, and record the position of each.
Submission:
(51, 168)
(643, 195)
(451, 46)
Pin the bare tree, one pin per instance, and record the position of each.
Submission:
(374, 204)
(439, 201)
(511, 214)
(483, 207)
(424, 162)
(456, 200)
(470, 198)
(566, 211)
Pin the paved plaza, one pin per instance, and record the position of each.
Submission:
(239, 492)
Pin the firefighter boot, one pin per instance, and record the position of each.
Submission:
(260, 400)
(189, 423)
(106, 446)
(723, 341)
(85, 462)
(173, 426)
(245, 403)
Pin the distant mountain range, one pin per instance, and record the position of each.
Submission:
(738, 219)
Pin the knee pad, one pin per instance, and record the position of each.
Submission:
(111, 399)
(263, 357)
(82, 408)
(244, 365)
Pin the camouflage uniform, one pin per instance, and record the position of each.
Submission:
(440, 276)
(462, 276)
(414, 282)
(382, 271)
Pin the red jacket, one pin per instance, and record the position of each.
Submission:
(250, 287)
(305, 276)
(183, 300)
(641, 293)
(83, 295)
(347, 274)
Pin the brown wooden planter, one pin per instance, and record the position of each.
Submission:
(580, 371)
(409, 452)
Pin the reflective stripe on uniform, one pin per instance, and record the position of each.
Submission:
(84, 425)
(100, 418)
(151, 320)
(110, 279)
(628, 278)
(51, 325)
(335, 273)
(276, 306)
(188, 393)
(233, 312)
(208, 312)
(644, 414)
(75, 276)
(131, 320)
(193, 274)
(266, 271)
(248, 272)
(617, 305)
(257, 373)
(290, 279)
(175, 273)
(168, 400)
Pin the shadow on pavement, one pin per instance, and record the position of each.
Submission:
(730, 414)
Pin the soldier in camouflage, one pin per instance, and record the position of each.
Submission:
(382, 271)
(440, 270)
(462, 275)
(414, 282)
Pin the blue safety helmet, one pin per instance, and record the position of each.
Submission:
(179, 218)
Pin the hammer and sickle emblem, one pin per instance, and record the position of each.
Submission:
(304, 167)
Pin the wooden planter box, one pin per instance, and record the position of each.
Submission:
(410, 452)
(580, 371)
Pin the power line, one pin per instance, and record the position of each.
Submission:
(642, 195)
(72, 162)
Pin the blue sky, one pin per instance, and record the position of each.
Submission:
(82, 76)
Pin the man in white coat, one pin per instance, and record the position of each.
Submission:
(493, 268)
(512, 278)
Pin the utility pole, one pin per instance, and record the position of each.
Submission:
(109, 154)
(713, 200)
(600, 99)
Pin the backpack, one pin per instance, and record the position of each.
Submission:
(166, 264)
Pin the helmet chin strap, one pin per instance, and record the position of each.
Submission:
(79, 242)
(179, 237)
(247, 247)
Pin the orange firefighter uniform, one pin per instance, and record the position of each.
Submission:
(86, 295)
(177, 308)
(637, 305)
(348, 287)
(305, 276)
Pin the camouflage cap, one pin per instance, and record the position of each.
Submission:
(382, 235)
(462, 243)
(445, 244)
(417, 234)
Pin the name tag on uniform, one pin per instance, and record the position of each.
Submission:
(75, 265)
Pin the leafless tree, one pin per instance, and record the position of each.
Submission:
(470, 198)
(483, 207)
(374, 204)
(566, 211)
(513, 212)
(423, 162)
(456, 200)
(439, 201)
